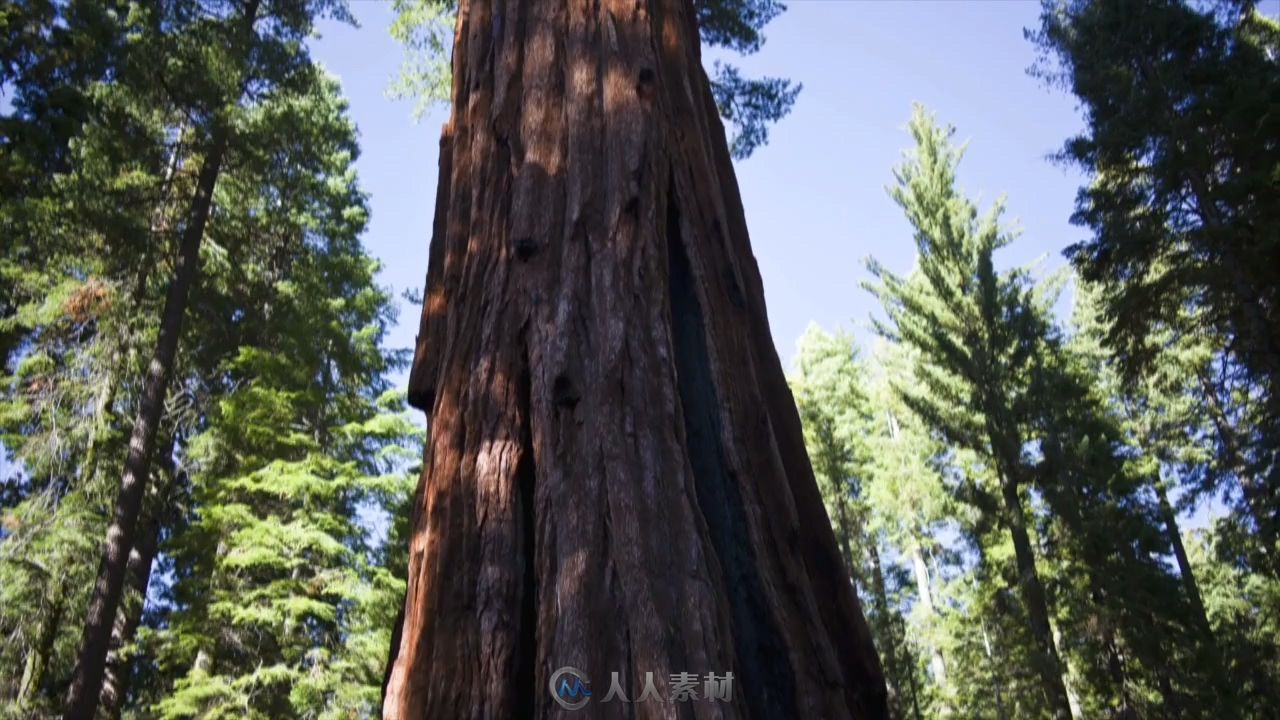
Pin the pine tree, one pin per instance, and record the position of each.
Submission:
(208, 88)
(1242, 605)
(282, 609)
(977, 333)
(1165, 434)
(831, 394)
(910, 501)
(1181, 146)
(997, 378)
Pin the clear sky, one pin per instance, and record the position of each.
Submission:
(815, 196)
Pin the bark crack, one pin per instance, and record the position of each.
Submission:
(524, 658)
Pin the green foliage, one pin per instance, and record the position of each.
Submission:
(751, 105)
(1181, 147)
(281, 492)
(1243, 608)
(1025, 437)
(287, 448)
(425, 29)
(281, 607)
(830, 387)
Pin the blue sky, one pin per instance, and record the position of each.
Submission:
(815, 199)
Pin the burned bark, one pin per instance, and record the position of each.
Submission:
(616, 478)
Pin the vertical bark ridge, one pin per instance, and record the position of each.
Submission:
(426, 357)
(1049, 665)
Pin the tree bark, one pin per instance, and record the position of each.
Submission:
(1185, 570)
(86, 683)
(1049, 665)
(115, 683)
(116, 676)
(616, 477)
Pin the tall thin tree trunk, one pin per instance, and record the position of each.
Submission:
(888, 643)
(104, 602)
(616, 478)
(991, 660)
(115, 683)
(86, 684)
(1209, 641)
(1068, 680)
(1185, 570)
(116, 676)
(924, 590)
(900, 675)
(1048, 665)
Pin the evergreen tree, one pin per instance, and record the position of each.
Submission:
(207, 87)
(108, 214)
(281, 607)
(830, 388)
(1242, 606)
(1181, 146)
(977, 333)
(1166, 437)
(995, 378)
(911, 505)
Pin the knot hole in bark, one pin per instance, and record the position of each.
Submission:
(736, 297)
(644, 85)
(564, 393)
(526, 247)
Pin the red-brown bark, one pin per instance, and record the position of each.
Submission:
(616, 478)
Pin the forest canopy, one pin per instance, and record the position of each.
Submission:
(210, 492)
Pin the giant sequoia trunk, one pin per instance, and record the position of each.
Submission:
(616, 478)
